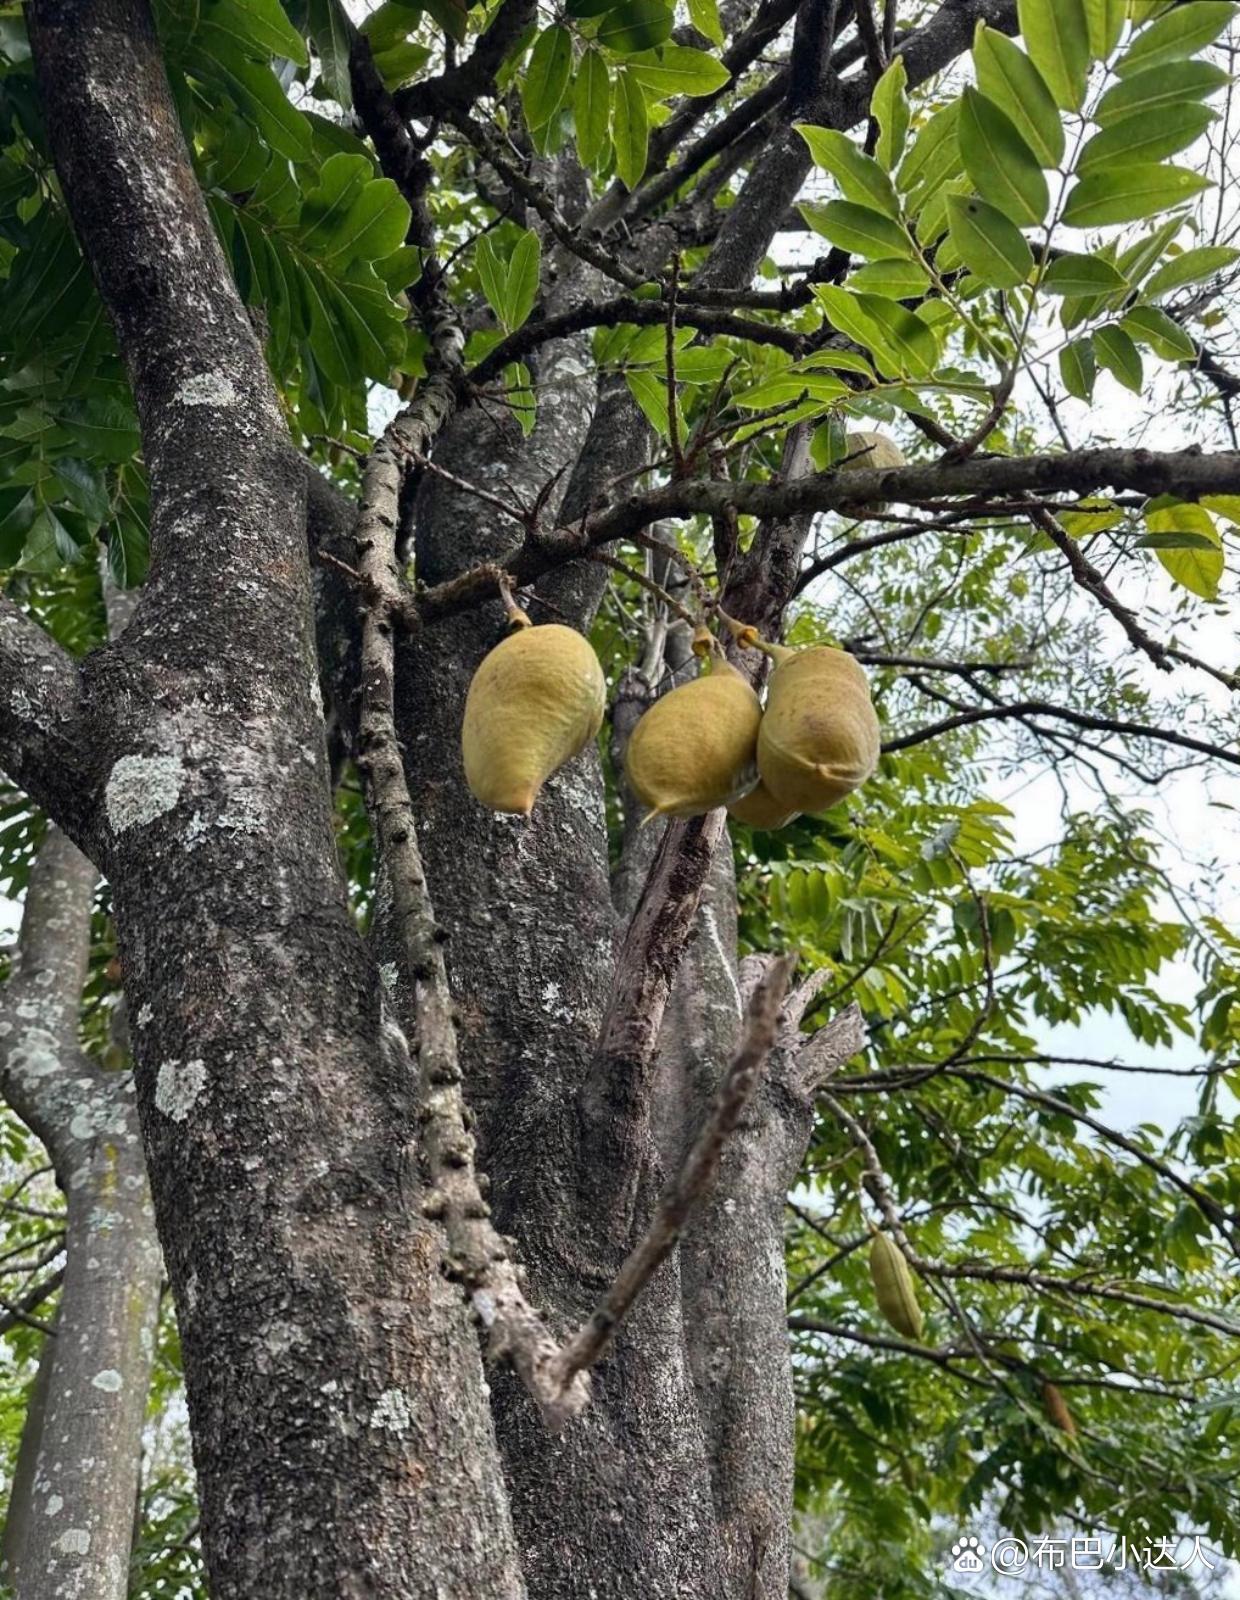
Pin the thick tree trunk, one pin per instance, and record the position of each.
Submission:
(342, 1437)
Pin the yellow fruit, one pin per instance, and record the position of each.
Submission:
(820, 738)
(760, 809)
(535, 701)
(893, 1287)
(874, 451)
(694, 749)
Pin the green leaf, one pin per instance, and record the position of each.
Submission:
(858, 229)
(630, 129)
(592, 108)
(704, 15)
(1006, 75)
(677, 69)
(1192, 266)
(1171, 541)
(1176, 36)
(520, 394)
(889, 108)
(546, 78)
(935, 153)
(1128, 193)
(258, 26)
(910, 340)
(332, 33)
(896, 279)
(129, 552)
(492, 272)
(1151, 93)
(992, 248)
(650, 392)
(402, 63)
(1117, 353)
(787, 386)
(859, 176)
(1082, 275)
(1105, 20)
(1139, 258)
(1197, 569)
(521, 284)
(1000, 163)
(1142, 139)
(1056, 35)
(1149, 326)
(635, 26)
(353, 215)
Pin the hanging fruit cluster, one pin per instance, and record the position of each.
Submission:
(537, 700)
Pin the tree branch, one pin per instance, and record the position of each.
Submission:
(44, 736)
(1186, 473)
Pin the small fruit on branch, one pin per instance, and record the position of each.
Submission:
(893, 1287)
(534, 703)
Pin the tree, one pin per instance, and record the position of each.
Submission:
(492, 1109)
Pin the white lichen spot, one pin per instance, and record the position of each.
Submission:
(392, 1413)
(388, 974)
(35, 1055)
(109, 1380)
(207, 389)
(177, 1087)
(74, 1542)
(141, 788)
(145, 1017)
(330, 1387)
(54, 1503)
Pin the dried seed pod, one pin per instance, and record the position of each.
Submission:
(820, 738)
(760, 809)
(694, 749)
(535, 701)
(893, 1287)
(1057, 1409)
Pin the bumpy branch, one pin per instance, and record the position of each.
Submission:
(476, 1253)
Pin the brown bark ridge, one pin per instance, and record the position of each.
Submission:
(342, 1439)
(74, 1507)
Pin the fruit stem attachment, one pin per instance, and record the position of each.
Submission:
(516, 617)
(748, 637)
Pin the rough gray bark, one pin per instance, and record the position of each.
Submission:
(78, 1523)
(278, 1114)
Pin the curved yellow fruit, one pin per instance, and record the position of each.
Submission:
(893, 1287)
(694, 749)
(820, 738)
(760, 809)
(535, 701)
